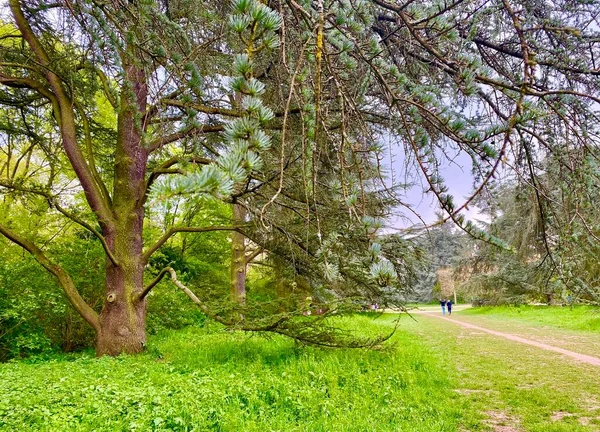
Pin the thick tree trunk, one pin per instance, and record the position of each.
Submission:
(122, 328)
(123, 316)
(238, 258)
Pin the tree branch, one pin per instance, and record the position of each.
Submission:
(20, 82)
(141, 296)
(182, 287)
(308, 331)
(65, 116)
(90, 151)
(517, 54)
(174, 230)
(269, 327)
(164, 168)
(189, 132)
(63, 277)
(53, 202)
(253, 255)
(202, 108)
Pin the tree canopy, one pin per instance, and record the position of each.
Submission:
(114, 112)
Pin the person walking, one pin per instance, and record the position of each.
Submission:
(449, 306)
(443, 305)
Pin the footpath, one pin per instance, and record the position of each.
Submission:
(584, 358)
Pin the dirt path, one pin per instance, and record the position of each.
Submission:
(577, 356)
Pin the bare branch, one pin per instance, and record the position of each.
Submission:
(182, 287)
(186, 133)
(253, 255)
(141, 296)
(202, 108)
(205, 309)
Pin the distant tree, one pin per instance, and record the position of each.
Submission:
(552, 233)
(443, 247)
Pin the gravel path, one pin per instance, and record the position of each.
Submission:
(577, 356)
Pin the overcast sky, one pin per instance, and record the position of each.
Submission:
(457, 176)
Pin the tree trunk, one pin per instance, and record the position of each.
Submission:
(238, 258)
(123, 316)
(122, 328)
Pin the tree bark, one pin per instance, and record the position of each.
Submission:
(238, 258)
(123, 316)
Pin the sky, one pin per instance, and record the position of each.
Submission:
(457, 177)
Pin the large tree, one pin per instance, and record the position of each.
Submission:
(71, 64)
(106, 99)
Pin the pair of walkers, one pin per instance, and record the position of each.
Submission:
(446, 304)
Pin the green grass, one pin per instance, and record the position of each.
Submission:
(215, 380)
(585, 318)
(530, 388)
(433, 376)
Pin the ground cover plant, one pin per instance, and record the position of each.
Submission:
(209, 379)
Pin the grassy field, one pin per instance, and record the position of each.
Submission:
(515, 387)
(433, 376)
(576, 329)
(585, 318)
(202, 379)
